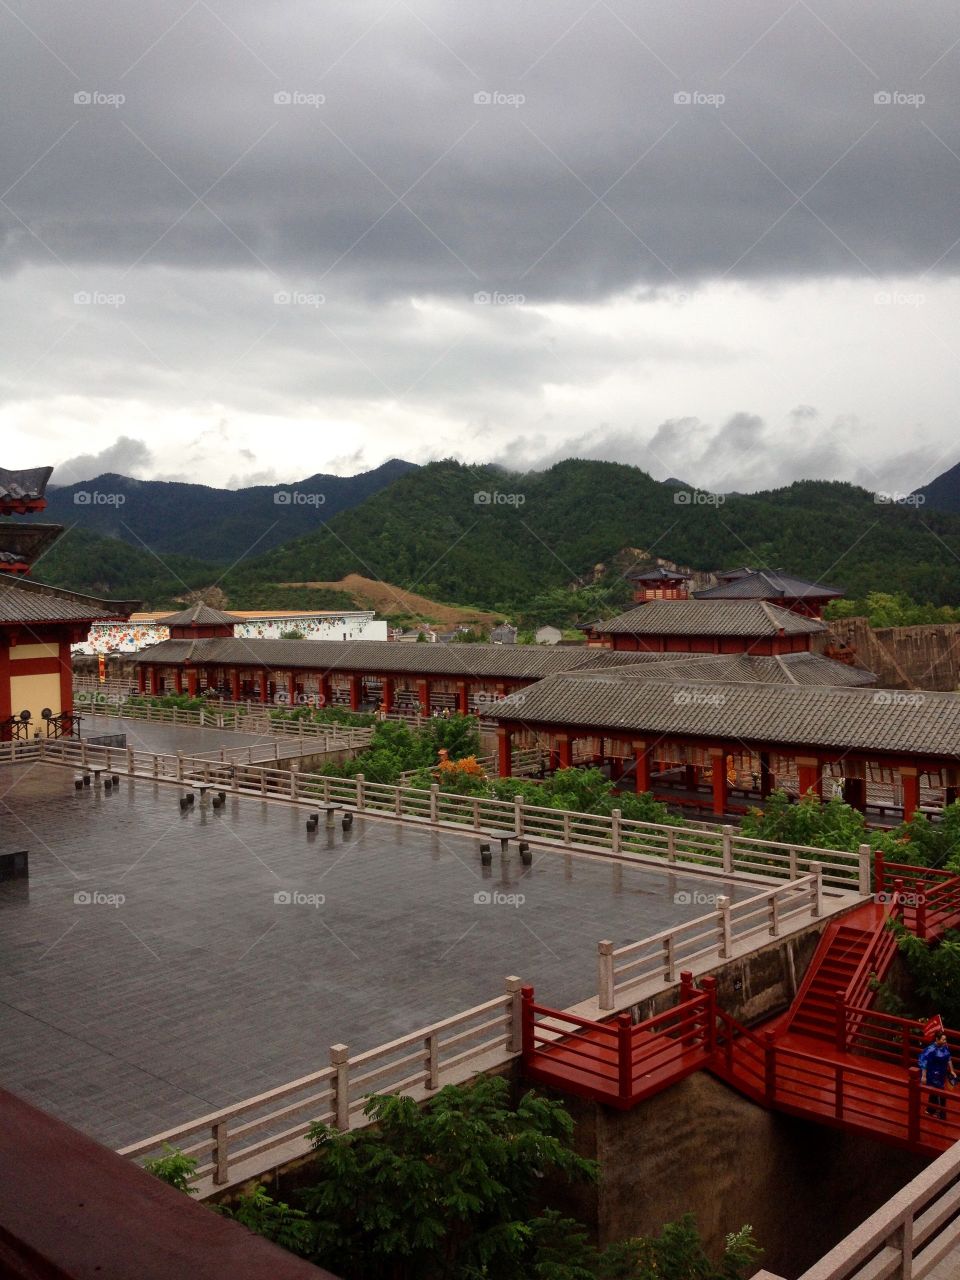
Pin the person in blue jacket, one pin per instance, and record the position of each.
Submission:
(935, 1065)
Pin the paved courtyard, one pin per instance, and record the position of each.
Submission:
(163, 964)
(146, 736)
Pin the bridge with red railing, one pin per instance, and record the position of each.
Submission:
(831, 1057)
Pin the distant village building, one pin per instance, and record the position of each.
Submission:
(145, 629)
(654, 582)
(503, 634)
(548, 635)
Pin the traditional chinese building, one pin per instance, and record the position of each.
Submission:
(707, 626)
(714, 733)
(656, 582)
(774, 587)
(38, 623)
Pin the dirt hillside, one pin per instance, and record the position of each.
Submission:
(386, 598)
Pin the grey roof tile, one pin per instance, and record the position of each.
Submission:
(25, 600)
(710, 618)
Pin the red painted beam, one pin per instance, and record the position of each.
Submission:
(74, 1210)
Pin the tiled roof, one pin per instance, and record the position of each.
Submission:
(198, 615)
(767, 584)
(23, 486)
(709, 618)
(649, 572)
(476, 661)
(742, 668)
(25, 542)
(925, 724)
(22, 600)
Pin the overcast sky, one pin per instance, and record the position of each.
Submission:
(244, 241)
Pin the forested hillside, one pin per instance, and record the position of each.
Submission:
(480, 536)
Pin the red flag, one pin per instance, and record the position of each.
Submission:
(933, 1027)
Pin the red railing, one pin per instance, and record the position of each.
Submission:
(927, 898)
(893, 1105)
(620, 1060)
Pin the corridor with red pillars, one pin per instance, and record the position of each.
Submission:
(831, 1057)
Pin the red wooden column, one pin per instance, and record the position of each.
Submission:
(177, 680)
(386, 695)
(808, 768)
(191, 682)
(154, 681)
(564, 751)
(641, 754)
(141, 679)
(354, 692)
(291, 688)
(463, 698)
(235, 684)
(910, 781)
(767, 780)
(423, 694)
(325, 689)
(504, 761)
(719, 765)
(66, 677)
(264, 686)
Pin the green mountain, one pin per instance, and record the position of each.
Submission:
(111, 569)
(483, 536)
(941, 494)
(219, 525)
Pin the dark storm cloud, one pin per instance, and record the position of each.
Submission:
(399, 182)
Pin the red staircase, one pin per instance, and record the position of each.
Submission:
(830, 1058)
(851, 952)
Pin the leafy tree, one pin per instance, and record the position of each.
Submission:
(292, 633)
(440, 1191)
(934, 973)
(173, 1167)
(273, 1219)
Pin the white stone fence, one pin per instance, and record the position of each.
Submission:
(710, 937)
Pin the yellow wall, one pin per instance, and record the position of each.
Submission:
(33, 693)
(24, 651)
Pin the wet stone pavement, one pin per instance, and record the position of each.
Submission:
(163, 964)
